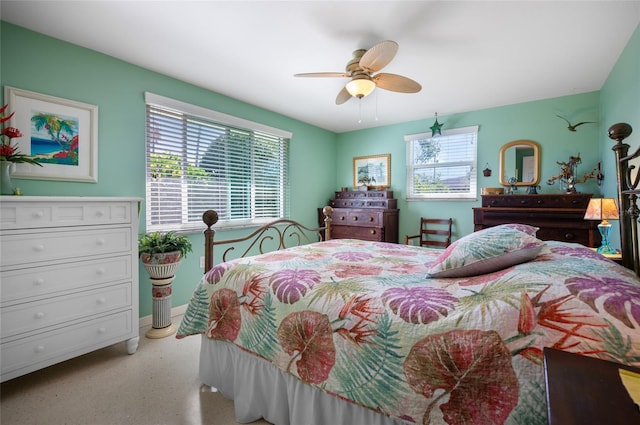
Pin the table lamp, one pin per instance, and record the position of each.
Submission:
(603, 209)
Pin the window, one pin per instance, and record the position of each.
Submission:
(444, 166)
(198, 159)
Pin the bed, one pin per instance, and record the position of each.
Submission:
(342, 331)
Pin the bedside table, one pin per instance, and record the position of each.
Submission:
(613, 257)
(586, 390)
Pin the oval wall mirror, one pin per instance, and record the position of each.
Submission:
(520, 163)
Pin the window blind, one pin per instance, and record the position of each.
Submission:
(195, 163)
(442, 167)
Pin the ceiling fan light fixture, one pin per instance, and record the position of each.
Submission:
(360, 87)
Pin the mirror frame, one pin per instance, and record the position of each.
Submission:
(536, 160)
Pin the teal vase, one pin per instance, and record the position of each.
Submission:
(6, 187)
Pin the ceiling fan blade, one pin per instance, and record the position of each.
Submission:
(322, 74)
(379, 56)
(343, 96)
(397, 83)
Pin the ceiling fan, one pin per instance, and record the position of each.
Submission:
(360, 68)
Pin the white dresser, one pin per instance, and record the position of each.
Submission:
(68, 278)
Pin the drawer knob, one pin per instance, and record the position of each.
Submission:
(373, 231)
(101, 300)
(38, 282)
(38, 248)
(102, 330)
(39, 348)
(100, 271)
(370, 218)
(568, 236)
(341, 217)
(354, 218)
(38, 214)
(39, 315)
(100, 242)
(99, 213)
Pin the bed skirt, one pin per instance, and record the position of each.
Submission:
(261, 390)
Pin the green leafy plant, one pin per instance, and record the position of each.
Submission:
(157, 242)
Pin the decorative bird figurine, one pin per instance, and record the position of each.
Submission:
(572, 127)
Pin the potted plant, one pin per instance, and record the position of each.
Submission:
(161, 253)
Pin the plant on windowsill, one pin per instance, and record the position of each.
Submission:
(161, 253)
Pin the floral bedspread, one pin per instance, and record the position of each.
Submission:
(361, 320)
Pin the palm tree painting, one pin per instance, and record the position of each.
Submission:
(54, 138)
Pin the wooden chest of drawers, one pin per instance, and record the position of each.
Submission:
(370, 215)
(69, 271)
(559, 217)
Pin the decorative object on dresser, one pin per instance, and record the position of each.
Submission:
(603, 209)
(559, 216)
(161, 254)
(434, 233)
(372, 171)
(69, 272)
(368, 215)
(568, 176)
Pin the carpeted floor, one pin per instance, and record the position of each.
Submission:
(157, 385)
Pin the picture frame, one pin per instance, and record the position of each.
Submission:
(61, 134)
(372, 171)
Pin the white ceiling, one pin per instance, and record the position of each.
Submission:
(467, 55)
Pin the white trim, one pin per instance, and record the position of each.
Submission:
(154, 99)
(175, 311)
(451, 132)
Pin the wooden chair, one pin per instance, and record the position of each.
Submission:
(430, 236)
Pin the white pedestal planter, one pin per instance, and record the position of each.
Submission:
(162, 269)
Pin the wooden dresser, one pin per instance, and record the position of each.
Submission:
(367, 215)
(560, 216)
(69, 271)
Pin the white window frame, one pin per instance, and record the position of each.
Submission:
(229, 219)
(471, 194)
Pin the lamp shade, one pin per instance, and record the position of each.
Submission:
(360, 87)
(602, 209)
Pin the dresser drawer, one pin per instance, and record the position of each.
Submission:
(27, 354)
(362, 233)
(29, 215)
(365, 194)
(351, 217)
(573, 235)
(33, 282)
(579, 201)
(30, 248)
(27, 317)
(366, 203)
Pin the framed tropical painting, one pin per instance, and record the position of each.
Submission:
(61, 134)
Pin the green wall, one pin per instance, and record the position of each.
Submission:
(53, 67)
(535, 121)
(34, 62)
(620, 102)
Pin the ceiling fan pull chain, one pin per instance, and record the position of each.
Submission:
(376, 105)
(360, 109)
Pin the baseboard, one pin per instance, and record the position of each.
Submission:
(175, 311)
